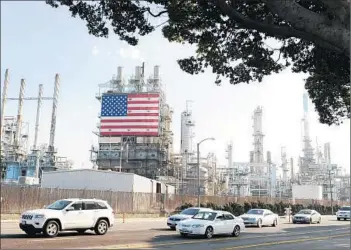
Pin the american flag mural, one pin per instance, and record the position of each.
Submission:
(135, 114)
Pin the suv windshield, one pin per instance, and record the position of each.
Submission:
(255, 211)
(345, 209)
(190, 211)
(59, 205)
(205, 216)
(305, 212)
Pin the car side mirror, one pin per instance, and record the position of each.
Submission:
(69, 209)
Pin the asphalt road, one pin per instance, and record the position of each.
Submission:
(153, 234)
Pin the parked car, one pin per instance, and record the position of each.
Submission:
(173, 220)
(209, 223)
(307, 216)
(343, 213)
(260, 217)
(69, 215)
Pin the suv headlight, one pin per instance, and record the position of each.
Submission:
(39, 216)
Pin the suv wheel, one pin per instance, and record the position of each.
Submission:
(51, 229)
(101, 227)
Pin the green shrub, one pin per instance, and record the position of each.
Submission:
(278, 208)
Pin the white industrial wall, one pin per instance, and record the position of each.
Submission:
(170, 189)
(307, 192)
(88, 179)
(142, 184)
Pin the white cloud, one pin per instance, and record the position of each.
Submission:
(95, 51)
(130, 53)
(122, 53)
(135, 53)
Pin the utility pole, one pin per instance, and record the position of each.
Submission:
(331, 191)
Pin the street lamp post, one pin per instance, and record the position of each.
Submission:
(198, 168)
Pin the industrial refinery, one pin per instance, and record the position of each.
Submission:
(19, 162)
(142, 142)
(134, 135)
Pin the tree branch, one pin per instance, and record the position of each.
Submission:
(316, 25)
(271, 30)
(158, 14)
(340, 9)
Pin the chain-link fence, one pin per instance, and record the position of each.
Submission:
(16, 199)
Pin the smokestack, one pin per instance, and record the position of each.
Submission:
(251, 156)
(156, 72)
(119, 74)
(305, 102)
(19, 112)
(4, 99)
(40, 98)
(53, 114)
(137, 73)
(269, 157)
(292, 168)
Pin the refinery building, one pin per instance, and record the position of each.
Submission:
(137, 137)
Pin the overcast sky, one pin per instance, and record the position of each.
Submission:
(38, 41)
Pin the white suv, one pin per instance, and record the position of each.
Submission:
(69, 215)
(343, 213)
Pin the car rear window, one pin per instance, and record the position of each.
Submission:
(101, 205)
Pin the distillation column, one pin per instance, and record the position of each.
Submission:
(19, 114)
(308, 157)
(54, 114)
(284, 164)
(40, 99)
(258, 136)
(4, 99)
(186, 134)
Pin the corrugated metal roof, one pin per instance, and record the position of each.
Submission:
(87, 170)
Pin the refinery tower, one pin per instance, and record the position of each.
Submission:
(17, 164)
(134, 130)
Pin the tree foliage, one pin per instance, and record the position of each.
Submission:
(312, 36)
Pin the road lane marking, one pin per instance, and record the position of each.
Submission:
(57, 239)
(285, 242)
(173, 243)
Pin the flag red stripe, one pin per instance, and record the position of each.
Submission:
(129, 133)
(143, 95)
(142, 114)
(143, 108)
(143, 102)
(129, 126)
(129, 120)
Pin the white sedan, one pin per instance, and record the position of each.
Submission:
(307, 216)
(260, 217)
(209, 223)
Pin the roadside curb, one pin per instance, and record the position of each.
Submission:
(117, 220)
